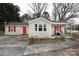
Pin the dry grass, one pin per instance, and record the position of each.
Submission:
(44, 41)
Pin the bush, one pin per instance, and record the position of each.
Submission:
(62, 38)
(31, 40)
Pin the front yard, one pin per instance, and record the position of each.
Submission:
(12, 45)
(56, 39)
(72, 51)
(18, 46)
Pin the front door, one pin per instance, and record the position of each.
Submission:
(57, 29)
(24, 29)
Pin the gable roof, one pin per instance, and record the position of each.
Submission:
(40, 19)
(49, 21)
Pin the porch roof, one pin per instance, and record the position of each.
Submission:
(17, 23)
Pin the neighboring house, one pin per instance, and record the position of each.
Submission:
(39, 28)
(16, 28)
(42, 28)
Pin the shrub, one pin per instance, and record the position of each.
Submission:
(62, 38)
(31, 40)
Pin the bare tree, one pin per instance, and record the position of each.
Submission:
(38, 8)
(65, 11)
(46, 15)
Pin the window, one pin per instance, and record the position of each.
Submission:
(45, 29)
(12, 28)
(35, 27)
(40, 27)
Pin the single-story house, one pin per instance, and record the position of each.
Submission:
(43, 28)
(39, 28)
(16, 28)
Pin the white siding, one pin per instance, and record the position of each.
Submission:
(19, 30)
(39, 34)
(27, 29)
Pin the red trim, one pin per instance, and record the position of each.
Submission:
(8, 28)
(14, 28)
(24, 29)
(60, 28)
(54, 28)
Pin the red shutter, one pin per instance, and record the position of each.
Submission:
(24, 29)
(14, 28)
(8, 28)
(54, 28)
(60, 28)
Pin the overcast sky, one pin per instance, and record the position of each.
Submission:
(24, 8)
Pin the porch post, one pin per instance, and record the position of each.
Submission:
(65, 30)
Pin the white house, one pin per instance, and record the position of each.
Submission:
(39, 28)
(43, 28)
(16, 28)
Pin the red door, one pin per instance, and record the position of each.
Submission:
(24, 29)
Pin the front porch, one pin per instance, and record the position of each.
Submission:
(58, 29)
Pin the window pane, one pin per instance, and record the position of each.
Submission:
(35, 27)
(40, 27)
(45, 29)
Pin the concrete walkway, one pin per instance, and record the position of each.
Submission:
(48, 47)
(12, 45)
(3, 37)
